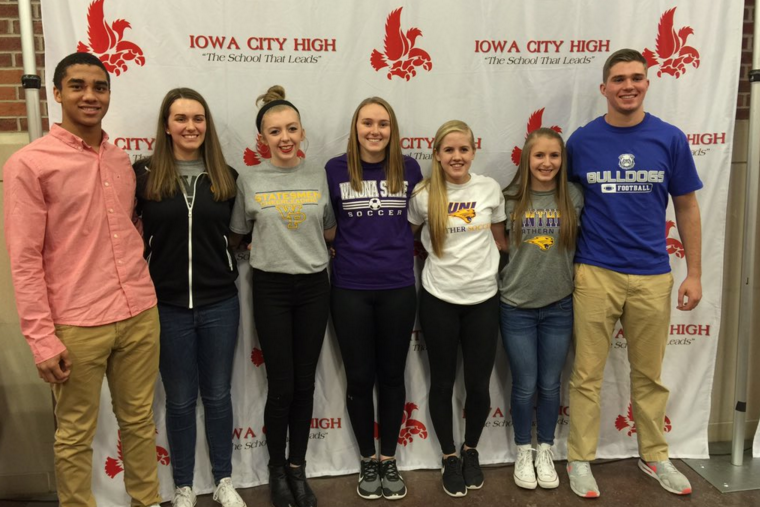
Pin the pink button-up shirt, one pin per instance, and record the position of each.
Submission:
(76, 255)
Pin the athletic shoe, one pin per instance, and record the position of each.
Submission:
(473, 475)
(393, 484)
(183, 497)
(545, 471)
(226, 495)
(582, 481)
(369, 486)
(668, 475)
(453, 481)
(525, 474)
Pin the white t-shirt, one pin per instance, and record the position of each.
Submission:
(466, 273)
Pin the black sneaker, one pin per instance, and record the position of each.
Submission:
(393, 484)
(369, 486)
(453, 482)
(473, 475)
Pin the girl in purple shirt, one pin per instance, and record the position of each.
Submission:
(373, 298)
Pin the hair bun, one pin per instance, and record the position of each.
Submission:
(275, 92)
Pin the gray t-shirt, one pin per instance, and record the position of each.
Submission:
(288, 210)
(189, 170)
(540, 271)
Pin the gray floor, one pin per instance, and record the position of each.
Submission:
(621, 483)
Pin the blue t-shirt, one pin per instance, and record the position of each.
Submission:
(627, 174)
(374, 246)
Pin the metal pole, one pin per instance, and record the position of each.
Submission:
(30, 80)
(746, 303)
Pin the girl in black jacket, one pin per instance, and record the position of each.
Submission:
(185, 193)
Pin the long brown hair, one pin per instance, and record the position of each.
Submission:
(438, 197)
(520, 185)
(394, 159)
(163, 178)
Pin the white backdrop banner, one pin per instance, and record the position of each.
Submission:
(756, 445)
(505, 68)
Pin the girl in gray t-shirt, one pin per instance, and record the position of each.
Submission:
(536, 297)
(286, 203)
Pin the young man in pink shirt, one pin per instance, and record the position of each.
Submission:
(84, 296)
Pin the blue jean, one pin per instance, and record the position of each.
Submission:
(536, 341)
(197, 348)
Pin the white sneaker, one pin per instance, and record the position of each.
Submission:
(183, 497)
(525, 474)
(545, 471)
(226, 495)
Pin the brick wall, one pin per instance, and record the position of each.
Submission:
(742, 102)
(12, 96)
(13, 108)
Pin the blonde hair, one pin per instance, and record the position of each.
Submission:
(438, 198)
(393, 164)
(520, 185)
(163, 178)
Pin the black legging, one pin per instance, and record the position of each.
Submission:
(475, 327)
(374, 328)
(290, 312)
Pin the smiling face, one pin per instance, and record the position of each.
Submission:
(625, 89)
(455, 154)
(84, 97)
(281, 130)
(373, 130)
(545, 162)
(186, 125)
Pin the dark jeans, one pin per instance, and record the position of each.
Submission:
(290, 312)
(374, 328)
(475, 328)
(536, 341)
(197, 347)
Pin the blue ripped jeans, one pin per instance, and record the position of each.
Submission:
(537, 341)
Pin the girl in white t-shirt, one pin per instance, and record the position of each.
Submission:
(463, 215)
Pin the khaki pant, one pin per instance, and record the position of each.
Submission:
(127, 353)
(642, 304)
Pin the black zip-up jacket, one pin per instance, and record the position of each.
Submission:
(188, 272)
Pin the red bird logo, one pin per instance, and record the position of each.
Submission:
(627, 423)
(673, 55)
(257, 356)
(534, 123)
(251, 157)
(400, 54)
(673, 246)
(411, 427)
(107, 41)
(114, 466)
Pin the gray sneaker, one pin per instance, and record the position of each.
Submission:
(369, 486)
(668, 476)
(582, 481)
(394, 487)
